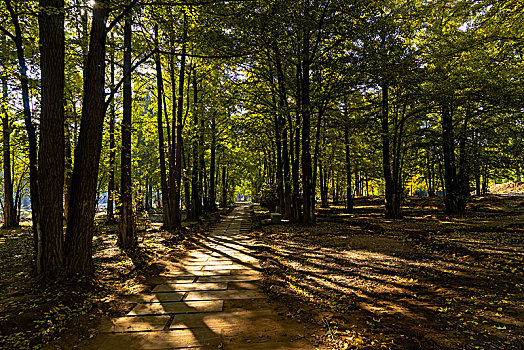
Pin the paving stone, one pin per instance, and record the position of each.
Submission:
(179, 268)
(186, 287)
(225, 294)
(208, 263)
(175, 339)
(134, 324)
(196, 273)
(200, 255)
(171, 279)
(176, 308)
(195, 259)
(215, 320)
(223, 305)
(252, 285)
(229, 267)
(218, 259)
(232, 278)
(156, 298)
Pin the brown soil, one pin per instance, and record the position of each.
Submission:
(427, 281)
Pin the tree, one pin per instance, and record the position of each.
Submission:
(80, 221)
(10, 218)
(30, 127)
(51, 151)
(127, 229)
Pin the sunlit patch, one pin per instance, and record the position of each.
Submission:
(444, 289)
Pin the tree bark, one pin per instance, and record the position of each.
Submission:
(79, 233)
(110, 216)
(391, 200)
(316, 152)
(349, 202)
(279, 163)
(127, 228)
(307, 200)
(166, 204)
(295, 150)
(212, 186)
(51, 152)
(10, 219)
(322, 180)
(224, 187)
(464, 170)
(284, 111)
(31, 133)
(450, 171)
(278, 143)
(179, 128)
(196, 203)
(202, 183)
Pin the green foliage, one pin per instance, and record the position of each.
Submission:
(267, 196)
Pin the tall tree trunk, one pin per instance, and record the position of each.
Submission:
(279, 164)
(127, 228)
(316, 152)
(168, 218)
(284, 111)
(179, 127)
(68, 166)
(202, 183)
(224, 187)
(110, 216)
(463, 171)
(278, 143)
(431, 175)
(477, 179)
(450, 172)
(485, 180)
(212, 163)
(187, 184)
(196, 203)
(307, 196)
(147, 198)
(296, 206)
(9, 206)
(51, 152)
(322, 180)
(349, 203)
(79, 233)
(31, 134)
(171, 141)
(386, 156)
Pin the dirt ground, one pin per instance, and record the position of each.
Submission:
(426, 281)
(508, 188)
(35, 314)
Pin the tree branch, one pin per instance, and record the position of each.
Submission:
(117, 86)
(6, 32)
(204, 56)
(124, 13)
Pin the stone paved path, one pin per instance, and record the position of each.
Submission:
(211, 301)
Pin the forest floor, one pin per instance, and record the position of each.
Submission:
(508, 188)
(426, 281)
(35, 314)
